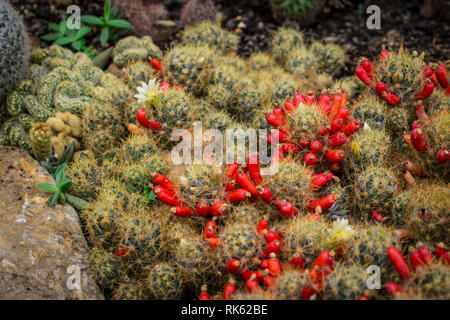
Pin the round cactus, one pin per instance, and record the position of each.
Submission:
(372, 111)
(165, 282)
(284, 40)
(130, 49)
(290, 284)
(40, 137)
(330, 57)
(300, 60)
(106, 268)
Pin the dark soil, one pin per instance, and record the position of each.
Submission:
(345, 24)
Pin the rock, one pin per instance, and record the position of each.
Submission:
(43, 254)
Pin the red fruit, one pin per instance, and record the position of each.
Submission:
(441, 77)
(421, 114)
(337, 140)
(164, 181)
(441, 253)
(392, 288)
(351, 127)
(268, 280)
(307, 292)
(323, 203)
(180, 211)
(310, 98)
(417, 140)
(392, 99)
(229, 290)
(304, 143)
(273, 246)
(243, 179)
(337, 99)
(122, 251)
(427, 90)
(378, 217)
(335, 155)
(443, 156)
(286, 208)
(273, 120)
(265, 194)
(279, 112)
(218, 208)
(367, 66)
(259, 276)
(253, 169)
(399, 262)
(231, 170)
(315, 146)
(363, 298)
(322, 266)
(202, 208)
(251, 284)
(290, 148)
(156, 64)
(165, 195)
(425, 254)
(310, 159)
(204, 295)
(427, 72)
(274, 265)
(289, 106)
(323, 131)
(247, 274)
(262, 225)
(323, 100)
(233, 266)
(142, 118)
(320, 179)
(270, 235)
(364, 77)
(213, 242)
(384, 54)
(336, 125)
(343, 114)
(297, 261)
(230, 186)
(164, 86)
(298, 98)
(416, 260)
(381, 89)
(238, 195)
(210, 230)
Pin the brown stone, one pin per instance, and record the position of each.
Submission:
(42, 248)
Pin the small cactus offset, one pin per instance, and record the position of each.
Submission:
(40, 138)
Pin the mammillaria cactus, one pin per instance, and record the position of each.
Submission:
(303, 12)
(14, 52)
(195, 11)
(131, 48)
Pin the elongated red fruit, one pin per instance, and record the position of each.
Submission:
(315, 146)
(416, 260)
(180, 211)
(441, 78)
(324, 203)
(335, 155)
(229, 290)
(307, 293)
(443, 156)
(351, 127)
(218, 208)
(343, 114)
(264, 194)
(336, 125)
(320, 179)
(367, 66)
(204, 295)
(262, 225)
(142, 119)
(273, 120)
(231, 170)
(273, 246)
(252, 285)
(441, 253)
(156, 64)
(165, 195)
(286, 208)
(337, 99)
(310, 98)
(289, 106)
(310, 159)
(324, 100)
(381, 89)
(202, 208)
(213, 242)
(279, 112)
(392, 99)
(210, 230)
(399, 262)
(243, 179)
(164, 181)
(384, 54)
(428, 72)
(378, 217)
(417, 140)
(270, 235)
(421, 114)
(337, 140)
(274, 265)
(427, 90)
(230, 186)
(392, 288)
(233, 266)
(268, 280)
(247, 274)
(238, 195)
(364, 77)
(298, 99)
(425, 254)
(298, 261)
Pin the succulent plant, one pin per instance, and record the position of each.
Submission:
(195, 11)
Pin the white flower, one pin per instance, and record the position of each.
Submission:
(342, 230)
(366, 127)
(149, 92)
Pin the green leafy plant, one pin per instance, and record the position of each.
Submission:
(109, 23)
(149, 195)
(64, 36)
(54, 163)
(62, 183)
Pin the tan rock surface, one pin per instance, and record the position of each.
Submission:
(43, 254)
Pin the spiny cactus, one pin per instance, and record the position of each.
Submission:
(195, 11)
(106, 268)
(14, 52)
(260, 61)
(290, 284)
(210, 117)
(397, 121)
(375, 189)
(303, 12)
(347, 283)
(136, 73)
(85, 175)
(211, 34)
(306, 122)
(40, 137)
(165, 282)
(130, 49)
(372, 111)
(284, 40)
(129, 290)
(300, 60)
(247, 213)
(135, 147)
(330, 57)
